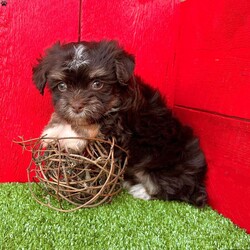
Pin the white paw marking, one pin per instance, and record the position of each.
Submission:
(60, 131)
(138, 191)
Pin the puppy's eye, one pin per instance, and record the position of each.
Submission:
(62, 86)
(96, 85)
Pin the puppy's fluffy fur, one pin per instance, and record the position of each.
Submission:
(95, 93)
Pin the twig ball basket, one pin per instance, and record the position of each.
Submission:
(83, 180)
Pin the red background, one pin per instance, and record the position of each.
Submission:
(196, 52)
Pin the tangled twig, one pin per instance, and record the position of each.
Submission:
(83, 180)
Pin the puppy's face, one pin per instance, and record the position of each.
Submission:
(86, 79)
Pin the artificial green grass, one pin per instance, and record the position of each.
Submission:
(126, 223)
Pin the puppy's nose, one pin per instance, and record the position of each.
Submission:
(77, 108)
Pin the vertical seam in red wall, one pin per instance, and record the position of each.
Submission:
(80, 20)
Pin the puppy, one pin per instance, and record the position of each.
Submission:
(96, 94)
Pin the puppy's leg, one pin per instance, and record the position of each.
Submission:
(139, 184)
(50, 133)
(63, 131)
(56, 130)
(165, 186)
(137, 190)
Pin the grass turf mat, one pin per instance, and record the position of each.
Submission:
(126, 223)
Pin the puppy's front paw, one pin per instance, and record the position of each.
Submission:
(50, 134)
(47, 140)
(138, 191)
(71, 144)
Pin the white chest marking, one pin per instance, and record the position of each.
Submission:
(64, 130)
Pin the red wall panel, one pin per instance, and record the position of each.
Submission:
(214, 56)
(226, 143)
(212, 95)
(147, 29)
(26, 29)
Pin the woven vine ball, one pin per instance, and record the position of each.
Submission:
(85, 180)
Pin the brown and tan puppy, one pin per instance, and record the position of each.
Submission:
(95, 93)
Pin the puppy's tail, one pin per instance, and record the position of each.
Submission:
(199, 196)
(197, 162)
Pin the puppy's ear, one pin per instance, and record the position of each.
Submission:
(42, 69)
(40, 72)
(124, 64)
